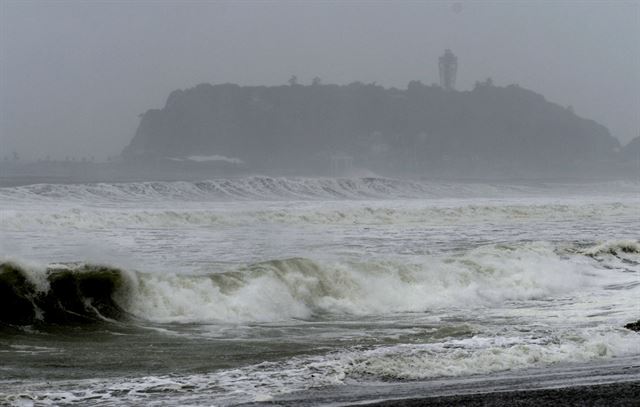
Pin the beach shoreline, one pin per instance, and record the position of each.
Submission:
(615, 382)
(610, 394)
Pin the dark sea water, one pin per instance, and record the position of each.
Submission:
(315, 291)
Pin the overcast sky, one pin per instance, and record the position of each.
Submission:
(74, 76)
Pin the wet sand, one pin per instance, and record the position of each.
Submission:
(613, 394)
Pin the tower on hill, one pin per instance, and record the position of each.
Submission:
(448, 67)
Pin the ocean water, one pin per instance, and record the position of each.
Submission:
(320, 290)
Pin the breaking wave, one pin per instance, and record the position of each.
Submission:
(615, 248)
(291, 188)
(299, 288)
(90, 218)
(250, 188)
(61, 294)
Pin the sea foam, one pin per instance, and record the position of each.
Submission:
(301, 288)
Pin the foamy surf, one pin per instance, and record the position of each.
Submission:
(228, 291)
(300, 288)
(476, 355)
(298, 188)
(423, 214)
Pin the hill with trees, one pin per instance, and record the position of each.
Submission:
(419, 130)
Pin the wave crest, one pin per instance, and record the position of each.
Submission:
(366, 215)
(300, 288)
(295, 188)
(614, 248)
(61, 294)
(249, 188)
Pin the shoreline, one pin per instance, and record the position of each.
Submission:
(610, 394)
(613, 382)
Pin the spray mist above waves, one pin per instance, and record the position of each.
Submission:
(305, 289)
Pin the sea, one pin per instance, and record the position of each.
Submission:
(313, 291)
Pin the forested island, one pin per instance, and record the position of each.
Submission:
(420, 130)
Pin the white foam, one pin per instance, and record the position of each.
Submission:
(205, 158)
(264, 381)
(34, 271)
(278, 189)
(615, 247)
(301, 288)
(480, 355)
(372, 213)
(450, 358)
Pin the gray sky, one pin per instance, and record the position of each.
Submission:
(75, 75)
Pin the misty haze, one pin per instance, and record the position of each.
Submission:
(319, 203)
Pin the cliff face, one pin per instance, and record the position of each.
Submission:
(414, 130)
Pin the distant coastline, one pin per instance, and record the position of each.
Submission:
(422, 132)
(338, 130)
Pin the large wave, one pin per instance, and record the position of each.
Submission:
(249, 188)
(91, 218)
(299, 288)
(291, 188)
(61, 294)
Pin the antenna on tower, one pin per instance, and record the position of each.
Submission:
(448, 67)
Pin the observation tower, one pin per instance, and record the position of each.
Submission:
(448, 67)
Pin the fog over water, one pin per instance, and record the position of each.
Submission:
(296, 203)
(75, 75)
